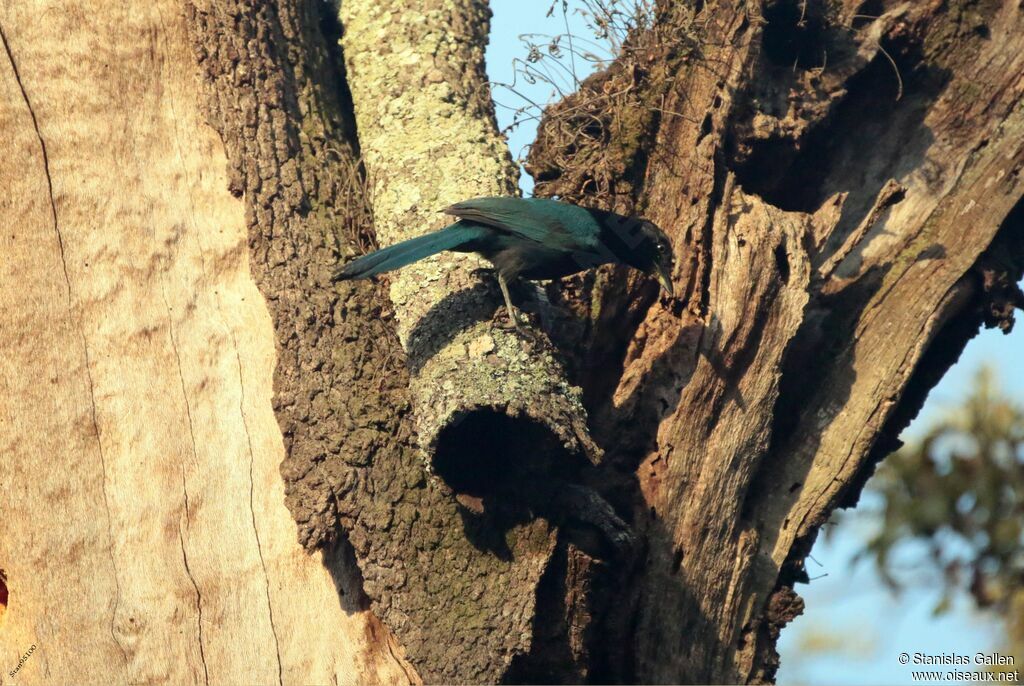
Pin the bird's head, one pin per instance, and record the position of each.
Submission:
(637, 242)
(653, 254)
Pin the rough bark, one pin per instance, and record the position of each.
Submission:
(841, 191)
(342, 387)
(354, 473)
(455, 549)
(843, 184)
(144, 536)
(429, 139)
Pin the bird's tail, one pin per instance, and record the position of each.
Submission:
(407, 252)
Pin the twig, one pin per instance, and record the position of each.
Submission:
(899, 79)
(572, 52)
(681, 116)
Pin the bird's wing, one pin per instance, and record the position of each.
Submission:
(551, 223)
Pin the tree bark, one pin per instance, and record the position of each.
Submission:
(144, 536)
(842, 182)
(428, 139)
(844, 193)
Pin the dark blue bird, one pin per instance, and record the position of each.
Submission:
(532, 238)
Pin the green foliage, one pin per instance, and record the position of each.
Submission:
(959, 492)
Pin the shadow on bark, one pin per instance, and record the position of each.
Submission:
(340, 561)
(875, 133)
(453, 314)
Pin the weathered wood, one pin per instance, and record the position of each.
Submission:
(832, 220)
(844, 192)
(144, 536)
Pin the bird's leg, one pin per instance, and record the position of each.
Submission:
(512, 314)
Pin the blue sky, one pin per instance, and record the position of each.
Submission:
(844, 601)
(849, 596)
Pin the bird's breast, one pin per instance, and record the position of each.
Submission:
(536, 262)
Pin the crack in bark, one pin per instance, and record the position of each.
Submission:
(245, 422)
(241, 388)
(184, 392)
(199, 605)
(81, 331)
(389, 640)
(252, 511)
(184, 486)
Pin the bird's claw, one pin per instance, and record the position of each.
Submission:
(506, 322)
(528, 334)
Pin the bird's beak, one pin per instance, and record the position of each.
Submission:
(664, 279)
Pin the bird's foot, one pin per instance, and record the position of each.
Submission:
(530, 337)
(514, 322)
(502, 319)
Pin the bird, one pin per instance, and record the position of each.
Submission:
(533, 239)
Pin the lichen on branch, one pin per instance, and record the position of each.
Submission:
(428, 138)
(492, 409)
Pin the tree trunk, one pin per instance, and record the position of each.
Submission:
(842, 181)
(630, 503)
(144, 536)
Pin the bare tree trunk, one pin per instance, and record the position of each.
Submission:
(144, 536)
(842, 183)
